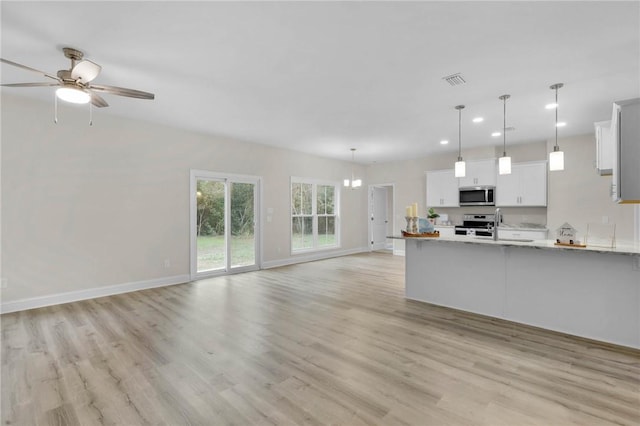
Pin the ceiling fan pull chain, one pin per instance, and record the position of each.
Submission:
(55, 109)
(90, 113)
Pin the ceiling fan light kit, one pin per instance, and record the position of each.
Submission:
(73, 95)
(75, 82)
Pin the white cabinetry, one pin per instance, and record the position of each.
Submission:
(525, 186)
(442, 188)
(625, 123)
(604, 147)
(446, 231)
(479, 173)
(518, 234)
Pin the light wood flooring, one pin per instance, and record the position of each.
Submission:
(328, 342)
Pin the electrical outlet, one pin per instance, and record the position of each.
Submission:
(167, 263)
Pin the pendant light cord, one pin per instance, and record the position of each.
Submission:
(353, 160)
(557, 106)
(460, 108)
(504, 126)
(459, 133)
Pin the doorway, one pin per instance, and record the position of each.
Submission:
(224, 223)
(381, 203)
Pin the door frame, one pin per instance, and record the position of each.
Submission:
(227, 178)
(390, 215)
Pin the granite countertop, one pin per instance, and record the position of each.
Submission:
(628, 249)
(524, 226)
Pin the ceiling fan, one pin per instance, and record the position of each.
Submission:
(75, 83)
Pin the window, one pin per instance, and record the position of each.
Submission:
(314, 215)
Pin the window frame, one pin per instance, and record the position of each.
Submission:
(314, 214)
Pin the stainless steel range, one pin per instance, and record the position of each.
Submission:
(480, 225)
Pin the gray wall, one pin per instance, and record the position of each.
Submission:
(86, 207)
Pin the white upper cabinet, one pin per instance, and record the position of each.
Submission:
(525, 186)
(604, 148)
(442, 188)
(479, 173)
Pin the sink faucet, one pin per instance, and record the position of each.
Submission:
(496, 222)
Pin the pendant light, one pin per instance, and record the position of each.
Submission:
(353, 183)
(460, 166)
(556, 157)
(504, 163)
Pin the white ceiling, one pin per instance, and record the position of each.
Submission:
(322, 77)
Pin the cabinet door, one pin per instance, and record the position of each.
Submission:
(524, 235)
(479, 173)
(533, 183)
(508, 188)
(604, 148)
(446, 231)
(442, 189)
(486, 172)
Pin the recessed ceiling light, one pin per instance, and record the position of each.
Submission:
(478, 120)
(444, 142)
(561, 124)
(551, 106)
(494, 134)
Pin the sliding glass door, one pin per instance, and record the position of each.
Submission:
(224, 235)
(243, 239)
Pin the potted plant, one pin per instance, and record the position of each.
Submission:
(432, 215)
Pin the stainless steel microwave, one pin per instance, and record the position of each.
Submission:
(477, 196)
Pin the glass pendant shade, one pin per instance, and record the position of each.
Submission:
(73, 95)
(556, 160)
(460, 168)
(353, 183)
(504, 165)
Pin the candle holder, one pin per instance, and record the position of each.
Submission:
(408, 218)
(414, 226)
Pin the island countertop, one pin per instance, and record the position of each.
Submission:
(620, 248)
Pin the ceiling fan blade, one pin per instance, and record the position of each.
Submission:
(98, 101)
(24, 67)
(30, 84)
(121, 91)
(85, 71)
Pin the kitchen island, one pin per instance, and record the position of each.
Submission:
(591, 292)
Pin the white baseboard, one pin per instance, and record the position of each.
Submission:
(90, 293)
(311, 257)
(398, 252)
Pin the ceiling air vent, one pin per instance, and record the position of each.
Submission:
(454, 79)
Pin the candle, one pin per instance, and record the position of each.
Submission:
(409, 211)
(415, 210)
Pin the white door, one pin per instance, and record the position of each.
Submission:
(379, 218)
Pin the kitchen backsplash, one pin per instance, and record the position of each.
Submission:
(510, 215)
